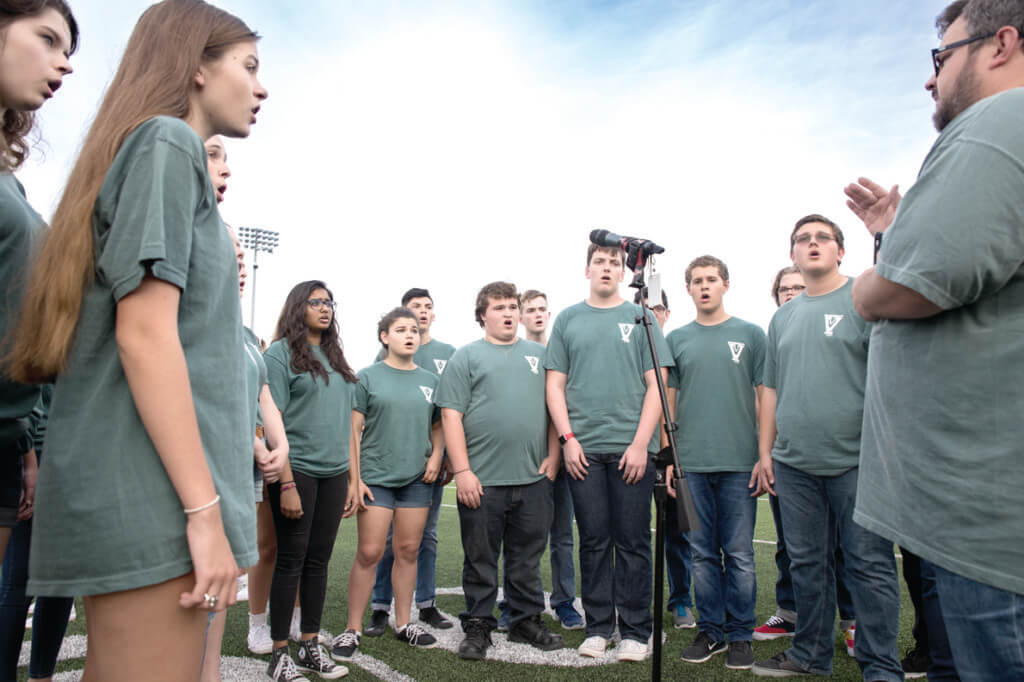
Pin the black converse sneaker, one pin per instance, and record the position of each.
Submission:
(282, 667)
(414, 634)
(314, 658)
(345, 645)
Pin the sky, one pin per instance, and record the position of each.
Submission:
(446, 144)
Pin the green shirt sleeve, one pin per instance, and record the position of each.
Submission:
(277, 375)
(455, 388)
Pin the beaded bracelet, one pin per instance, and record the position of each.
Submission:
(287, 486)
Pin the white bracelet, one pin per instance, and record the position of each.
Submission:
(209, 504)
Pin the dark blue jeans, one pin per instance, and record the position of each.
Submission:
(48, 624)
(678, 560)
(563, 570)
(815, 509)
(614, 520)
(724, 579)
(985, 626)
(426, 562)
(509, 517)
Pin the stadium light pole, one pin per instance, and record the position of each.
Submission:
(257, 239)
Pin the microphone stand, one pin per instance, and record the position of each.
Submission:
(686, 513)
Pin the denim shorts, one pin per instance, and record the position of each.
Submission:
(415, 494)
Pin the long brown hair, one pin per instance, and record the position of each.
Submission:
(16, 125)
(291, 326)
(169, 43)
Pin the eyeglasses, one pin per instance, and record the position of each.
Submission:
(936, 51)
(791, 290)
(820, 237)
(321, 303)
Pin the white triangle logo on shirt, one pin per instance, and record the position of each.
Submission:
(534, 363)
(626, 330)
(736, 348)
(830, 323)
(440, 364)
(428, 393)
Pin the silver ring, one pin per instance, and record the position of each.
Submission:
(211, 600)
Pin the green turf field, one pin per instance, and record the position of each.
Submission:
(402, 662)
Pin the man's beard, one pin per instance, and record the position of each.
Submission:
(963, 93)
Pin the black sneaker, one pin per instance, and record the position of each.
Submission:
(478, 638)
(414, 634)
(314, 658)
(703, 648)
(741, 656)
(915, 663)
(345, 645)
(778, 666)
(532, 631)
(378, 624)
(432, 617)
(282, 667)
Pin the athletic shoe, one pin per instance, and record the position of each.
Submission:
(259, 640)
(848, 637)
(295, 629)
(774, 628)
(415, 634)
(478, 638)
(741, 656)
(915, 663)
(432, 617)
(243, 589)
(778, 666)
(344, 645)
(378, 624)
(532, 631)
(703, 648)
(631, 650)
(282, 667)
(314, 658)
(569, 617)
(503, 616)
(593, 646)
(683, 618)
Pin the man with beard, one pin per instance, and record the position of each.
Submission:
(941, 467)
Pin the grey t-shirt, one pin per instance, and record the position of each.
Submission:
(716, 370)
(107, 517)
(816, 361)
(942, 470)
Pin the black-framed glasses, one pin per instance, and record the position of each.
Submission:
(315, 303)
(936, 51)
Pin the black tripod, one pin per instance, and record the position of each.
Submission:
(636, 258)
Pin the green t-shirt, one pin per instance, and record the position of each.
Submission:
(816, 361)
(431, 356)
(716, 370)
(399, 408)
(317, 414)
(255, 375)
(18, 224)
(942, 472)
(604, 353)
(499, 389)
(107, 517)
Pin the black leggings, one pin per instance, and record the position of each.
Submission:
(304, 547)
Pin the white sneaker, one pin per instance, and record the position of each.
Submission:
(593, 646)
(243, 589)
(259, 639)
(631, 650)
(295, 631)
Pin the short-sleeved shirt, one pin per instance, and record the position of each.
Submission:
(499, 389)
(716, 370)
(604, 353)
(817, 361)
(18, 224)
(107, 517)
(942, 470)
(317, 414)
(399, 408)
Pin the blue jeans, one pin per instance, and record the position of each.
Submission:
(985, 626)
(724, 579)
(563, 571)
(426, 562)
(48, 624)
(678, 560)
(941, 667)
(814, 509)
(614, 520)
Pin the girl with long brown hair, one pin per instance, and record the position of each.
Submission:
(145, 497)
(313, 385)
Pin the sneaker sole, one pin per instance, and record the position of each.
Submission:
(262, 650)
(512, 637)
(591, 653)
(632, 658)
(374, 633)
(914, 676)
(342, 657)
(762, 672)
(685, 626)
(341, 671)
(733, 666)
(576, 626)
(710, 655)
(768, 636)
